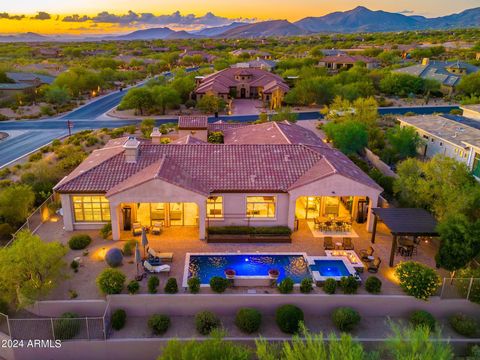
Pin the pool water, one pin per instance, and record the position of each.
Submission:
(207, 266)
(330, 268)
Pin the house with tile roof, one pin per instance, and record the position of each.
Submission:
(262, 180)
(345, 61)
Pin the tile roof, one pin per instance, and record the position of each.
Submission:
(192, 122)
(348, 59)
(223, 126)
(189, 139)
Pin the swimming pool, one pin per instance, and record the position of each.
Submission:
(335, 267)
(206, 266)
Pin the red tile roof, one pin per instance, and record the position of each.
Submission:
(348, 59)
(189, 139)
(192, 122)
(223, 126)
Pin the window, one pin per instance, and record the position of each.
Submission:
(261, 206)
(91, 208)
(215, 207)
(476, 165)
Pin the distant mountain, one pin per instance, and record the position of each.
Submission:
(215, 31)
(147, 34)
(24, 37)
(181, 35)
(362, 19)
(264, 29)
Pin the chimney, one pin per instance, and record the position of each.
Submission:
(425, 61)
(156, 135)
(131, 149)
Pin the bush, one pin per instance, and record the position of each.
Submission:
(349, 284)
(114, 257)
(423, 318)
(219, 284)
(67, 326)
(6, 231)
(306, 286)
(330, 286)
(106, 230)
(119, 317)
(464, 325)
(74, 265)
(79, 242)
(129, 247)
(193, 285)
(171, 286)
(111, 281)
(373, 285)
(152, 284)
(133, 287)
(345, 318)
(286, 286)
(159, 323)
(248, 320)
(416, 279)
(288, 318)
(206, 321)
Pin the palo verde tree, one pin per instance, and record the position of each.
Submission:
(140, 99)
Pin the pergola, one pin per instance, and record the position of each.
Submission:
(404, 222)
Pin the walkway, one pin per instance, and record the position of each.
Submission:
(246, 107)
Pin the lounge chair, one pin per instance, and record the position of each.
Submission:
(165, 256)
(136, 229)
(347, 243)
(365, 253)
(374, 265)
(156, 269)
(328, 243)
(157, 227)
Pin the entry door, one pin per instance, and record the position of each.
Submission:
(242, 93)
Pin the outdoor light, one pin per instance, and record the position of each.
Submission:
(246, 259)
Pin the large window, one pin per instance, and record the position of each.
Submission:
(476, 165)
(215, 207)
(261, 206)
(91, 208)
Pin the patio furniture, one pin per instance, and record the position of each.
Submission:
(339, 246)
(157, 227)
(136, 229)
(374, 265)
(347, 243)
(163, 256)
(156, 269)
(406, 251)
(366, 253)
(328, 243)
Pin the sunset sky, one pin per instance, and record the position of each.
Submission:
(48, 16)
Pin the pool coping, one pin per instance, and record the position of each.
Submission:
(319, 278)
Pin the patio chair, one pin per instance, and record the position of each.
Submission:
(157, 227)
(136, 229)
(328, 243)
(347, 243)
(163, 256)
(374, 265)
(365, 253)
(156, 269)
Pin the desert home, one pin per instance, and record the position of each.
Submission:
(271, 174)
(344, 61)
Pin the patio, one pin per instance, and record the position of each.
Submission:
(180, 240)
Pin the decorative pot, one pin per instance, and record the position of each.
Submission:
(230, 274)
(273, 274)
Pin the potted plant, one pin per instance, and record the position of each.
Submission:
(230, 274)
(273, 274)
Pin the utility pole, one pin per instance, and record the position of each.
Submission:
(69, 126)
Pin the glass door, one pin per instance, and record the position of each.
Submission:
(176, 213)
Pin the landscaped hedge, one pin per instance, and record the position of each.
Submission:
(206, 321)
(417, 279)
(249, 230)
(288, 318)
(111, 281)
(248, 320)
(79, 242)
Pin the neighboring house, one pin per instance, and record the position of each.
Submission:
(11, 90)
(253, 53)
(204, 55)
(23, 83)
(471, 111)
(454, 136)
(447, 73)
(268, 65)
(48, 52)
(333, 52)
(243, 182)
(343, 61)
(243, 83)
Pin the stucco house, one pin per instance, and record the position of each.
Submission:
(248, 180)
(345, 61)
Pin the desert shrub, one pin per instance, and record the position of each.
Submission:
(206, 321)
(373, 285)
(67, 326)
(111, 281)
(6, 231)
(286, 286)
(464, 325)
(422, 318)
(171, 286)
(79, 242)
(74, 265)
(330, 286)
(218, 284)
(114, 257)
(306, 286)
(349, 284)
(159, 323)
(133, 287)
(35, 157)
(129, 247)
(288, 318)
(193, 285)
(248, 320)
(345, 318)
(119, 317)
(416, 279)
(152, 284)
(106, 230)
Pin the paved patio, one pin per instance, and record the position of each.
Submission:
(246, 106)
(181, 240)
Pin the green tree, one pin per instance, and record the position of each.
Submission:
(140, 99)
(57, 96)
(401, 84)
(211, 104)
(16, 202)
(348, 136)
(283, 114)
(30, 268)
(165, 97)
(403, 142)
(146, 127)
(470, 85)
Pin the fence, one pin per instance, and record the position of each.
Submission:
(461, 288)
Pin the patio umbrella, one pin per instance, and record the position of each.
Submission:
(144, 241)
(138, 257)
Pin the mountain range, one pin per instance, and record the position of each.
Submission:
(359, 19)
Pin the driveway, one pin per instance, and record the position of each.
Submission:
(246, 107)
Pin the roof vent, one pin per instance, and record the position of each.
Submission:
(131, 149)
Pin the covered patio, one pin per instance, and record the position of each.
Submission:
(405, 223)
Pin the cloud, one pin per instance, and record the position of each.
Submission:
(7, 16)
(41, 15)
(76, 18)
